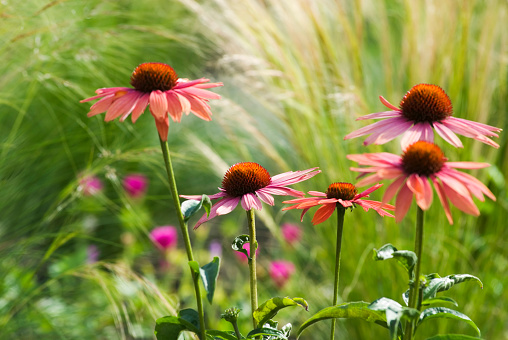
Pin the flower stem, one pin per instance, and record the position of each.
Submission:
(185, 232)
(414, 289)
(340, 224)
(252, 263)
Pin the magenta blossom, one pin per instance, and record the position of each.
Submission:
(90, 185)
(423, 109)
(250, 183)
(281, 271)
(164, 237)
(241, 256)
(135, 185)
(291, 233)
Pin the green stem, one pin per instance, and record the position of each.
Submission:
(185, 232)
(252, 263)
(237, 331)
(340, 224)
(415, 287)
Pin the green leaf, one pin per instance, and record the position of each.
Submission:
(238, 243)
(221, 335)
(438, 300)
(209, 273)
(446, 313)
(271, 307)
(191, 207)
(394, 313)
(453, 337)
(273, 333)
(436, 284)
(169, 327)
(405, 257)
(348, 310)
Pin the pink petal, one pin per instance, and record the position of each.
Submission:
(453, 183)
(368, 191)
(403, 202)
(184, 102)
(101, 106)
(229, 202)
(345, 203)
(323, 213)
(376, 159)
(228, 206)
(367, 204)
(208, 85)
(378, 115)
(198, 197)
(317, 193)
(303, 213)
(388, 104)
(200, 108)
(422, 190)
(368, 180)
(378, 126)
(158, 105)
(163, 128)
(442, 197)
(385, 135)
(135, 99)
(467, 165)
(198, 93)
(140, 107)
(476, 187)
(415, 134)
(267, 198)
(282, 191)
(392, 189)
(447, 135)
(292, 177)
(183, 83)
(469, 129)
(464, 203)
(250, 201)
(174, 106)
(122, 106)
(106, 92)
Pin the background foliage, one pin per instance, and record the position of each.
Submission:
(297, 74)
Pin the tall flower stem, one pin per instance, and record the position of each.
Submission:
(185, 232)
(252, 263)
(340, 226)
(414, 289)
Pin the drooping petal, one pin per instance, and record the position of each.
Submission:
(393, 188)
(101, 106)
(198, 197)
(263, 196)
(369, 180)
(442, 197)
(403, 202)
(174, 106)
(158, 105)
(474, 185)
(345, 203)
(163, 128)
(199, 108)
(184, 102)
(447, 135)
(384, 135)
(292, 177)
(323, 213)
(379, 115)
(105, 92)
(317, 193)
(467, 165)
(381, 125)
(368, 191)
(423, 192)
(368, 204)
(121, 106)
(282, 191)
(465, 128)
(419, 131)
(464, 203)
(376, 159)
(250, 201)
(135, 97)
(197, 92)
(229, 202)
(140, 107)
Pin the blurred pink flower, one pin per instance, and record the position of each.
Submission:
(291, 233)
(92, 253)
(411, 172)
(157, 85)
(90, 185)
(423, 109)
(241, 256)
(135, 185)
(250, 183)
(164, 237)
(281, 271)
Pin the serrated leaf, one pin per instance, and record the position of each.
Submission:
(270, 308)
(238, 243)
(453, 337)
(438, 300)
(274, 334)
(445, 313)
(209, 273)
(405, 257)
(348, 310)
(169, 327)
(221, 335)
(394, 313)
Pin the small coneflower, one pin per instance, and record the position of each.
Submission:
(292, 233)
(344, 194)
(157, 85)
(281, 271)
(250, 183)
(420, 162)
(165, 237)
(425, 107)
(135, 185)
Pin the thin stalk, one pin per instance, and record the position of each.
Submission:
(340, 224)
(415, 287)
(252, 263)
(185, 232)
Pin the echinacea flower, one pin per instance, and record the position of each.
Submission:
(281, 271)
(90, 185)
(423, 108)
(291, 233)
(157, 85)
(164, 237)
(420, 162)
(250, 183)
(343, 194)
(135, 185)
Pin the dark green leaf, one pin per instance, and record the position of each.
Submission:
(273, 333)
(190, 318)
(168, 327)
(394, 313)
(270, 308)
(221, 334)
(436, 284)
(209, 273)
(238, 243)
(405, 257)
(453, 337)
(348, 310)
(445, 313)
(439, 300)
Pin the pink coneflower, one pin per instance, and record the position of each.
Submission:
(90, 185)
(250, 183)
(344, 194)
(281, 271)
(156, 84)
(422, 161)
(423, 108)
(291, 233)
(135, 185)
(165, 237)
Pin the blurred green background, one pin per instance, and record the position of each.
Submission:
(297, 74)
